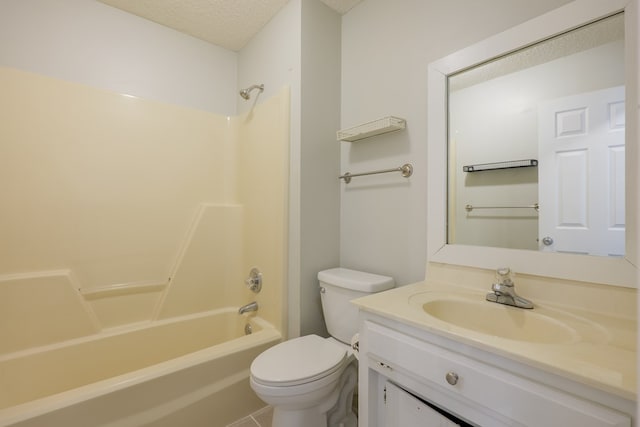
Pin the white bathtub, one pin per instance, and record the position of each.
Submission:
(189, 371)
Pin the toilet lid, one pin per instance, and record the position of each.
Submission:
(298, 361)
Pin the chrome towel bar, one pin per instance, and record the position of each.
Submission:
(406, 170)
(535, 206)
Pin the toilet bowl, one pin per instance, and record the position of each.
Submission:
(310, 380)
(303, 379)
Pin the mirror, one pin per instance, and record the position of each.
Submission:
(504, 115)
(536, 146)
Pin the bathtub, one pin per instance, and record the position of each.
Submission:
(186, 371)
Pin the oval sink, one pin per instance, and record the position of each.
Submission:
(500, 320)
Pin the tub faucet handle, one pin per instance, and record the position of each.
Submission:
(254, 282)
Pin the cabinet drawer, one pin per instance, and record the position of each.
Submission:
(505, 394)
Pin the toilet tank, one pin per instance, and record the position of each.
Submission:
(338, 286)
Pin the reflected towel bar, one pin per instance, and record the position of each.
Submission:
(535, 206)
(406, 170)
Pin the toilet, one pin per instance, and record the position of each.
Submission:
(310, 380)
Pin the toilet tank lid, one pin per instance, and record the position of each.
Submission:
(356, 280)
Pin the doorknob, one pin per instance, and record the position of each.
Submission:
(547, 241)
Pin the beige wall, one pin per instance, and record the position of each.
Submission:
(263, 177)
(118, 209)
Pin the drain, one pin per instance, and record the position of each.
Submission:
(248, 329)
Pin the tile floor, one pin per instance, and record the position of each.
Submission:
(261, 418)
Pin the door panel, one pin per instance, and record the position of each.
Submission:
(581, 173)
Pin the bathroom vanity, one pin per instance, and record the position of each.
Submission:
(433, 348)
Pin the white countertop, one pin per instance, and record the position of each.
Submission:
(601, 353)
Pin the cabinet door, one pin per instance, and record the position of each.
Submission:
(403, 409)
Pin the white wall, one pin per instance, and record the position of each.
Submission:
(386, 47)
(300, 47)
(91, 43)
(272, 58)
(320, 157)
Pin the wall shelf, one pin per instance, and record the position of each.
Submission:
(373, 128)
(501, 165)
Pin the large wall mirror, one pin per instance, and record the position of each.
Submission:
(530, 150)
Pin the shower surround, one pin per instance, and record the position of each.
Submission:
(120, 213)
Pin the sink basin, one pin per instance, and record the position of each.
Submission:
(500, 320)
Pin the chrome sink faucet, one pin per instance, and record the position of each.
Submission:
(503, 291)
(252, 306)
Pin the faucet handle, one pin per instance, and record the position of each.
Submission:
(503, 271)
(504, 276)
(254, 282)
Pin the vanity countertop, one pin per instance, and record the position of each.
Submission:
(601, 354)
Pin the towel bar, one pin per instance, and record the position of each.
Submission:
(406, 170)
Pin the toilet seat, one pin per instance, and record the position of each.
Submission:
(298, 361)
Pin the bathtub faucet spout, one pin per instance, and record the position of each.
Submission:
(252, 306)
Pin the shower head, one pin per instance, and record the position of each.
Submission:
(245, 93)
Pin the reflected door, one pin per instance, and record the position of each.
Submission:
(581, 173)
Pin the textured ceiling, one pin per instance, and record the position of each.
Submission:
(227, 23)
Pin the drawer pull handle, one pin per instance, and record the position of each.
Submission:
(452, 378)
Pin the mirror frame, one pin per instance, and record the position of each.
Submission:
(596, 269)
